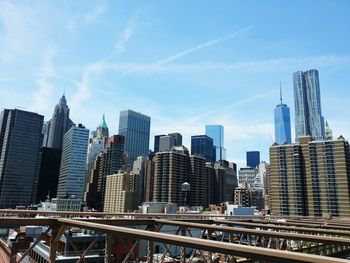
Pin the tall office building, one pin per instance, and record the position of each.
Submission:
(166, 142)
(203, 145)
(72, 170)
(47, 172)
(136, 129)
(108, 162)
(222, 181)
(58, 125)
(253, 159)
(20, 140)
(198, 181)
(156, 142)
(310, 178)
(282, 123)
(139, 169)
(307, 97)
(97, 142)
(102, 131)
(178, 138)
(216, 132)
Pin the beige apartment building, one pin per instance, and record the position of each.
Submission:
(310, 178)
(121, 193)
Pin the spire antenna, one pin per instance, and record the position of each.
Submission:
(281, 92)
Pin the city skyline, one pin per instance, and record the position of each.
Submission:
(186, 73)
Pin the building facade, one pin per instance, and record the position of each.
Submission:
(135, 127)
(203, 145)
(121, 193)
(310, 178)
(20, 140)
(307, 98)
(247, 175)
(170, 171)
(216, 132)
(46, 175)
(73, 163)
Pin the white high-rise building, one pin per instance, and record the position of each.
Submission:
(73, 163)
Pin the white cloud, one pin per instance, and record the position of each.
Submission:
(201, 46)
(123, 38)
(84, 87)
(13, 19)
(42, 97)
(268, 65)
(93, 15)
(160, 63)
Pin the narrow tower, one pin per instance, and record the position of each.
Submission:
(282, 122)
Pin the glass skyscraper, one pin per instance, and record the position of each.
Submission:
(216, 132)
(73, 163)
(253, 159)
(203, 145)
(307, 98)
(20, 140)
(136, 129)
(282, 124)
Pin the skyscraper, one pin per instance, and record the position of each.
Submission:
(73, 163)
(20, 140)
(136, 129)
(58, 125)
(282, 123)
(97, 143)
(170, 171)
(307, 98)
(216, 132)
(156, 142)
(102, 131)
(203, 145)
(166, 142)
(109, 162)
(47, 172)
(253, 159)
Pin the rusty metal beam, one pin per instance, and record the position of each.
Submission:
(34, 244)
(300, 223)
(10, 222)
(206, 245)
(287, 228)
(107, 214)
(292, 236)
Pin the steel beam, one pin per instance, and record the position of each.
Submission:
(287, 228)
(292, 236)
(34, 244)
(206, 245)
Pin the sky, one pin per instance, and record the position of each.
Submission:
(183, 63)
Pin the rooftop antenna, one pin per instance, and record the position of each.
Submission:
(281, 92)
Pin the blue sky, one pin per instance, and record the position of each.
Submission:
(184, 63)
